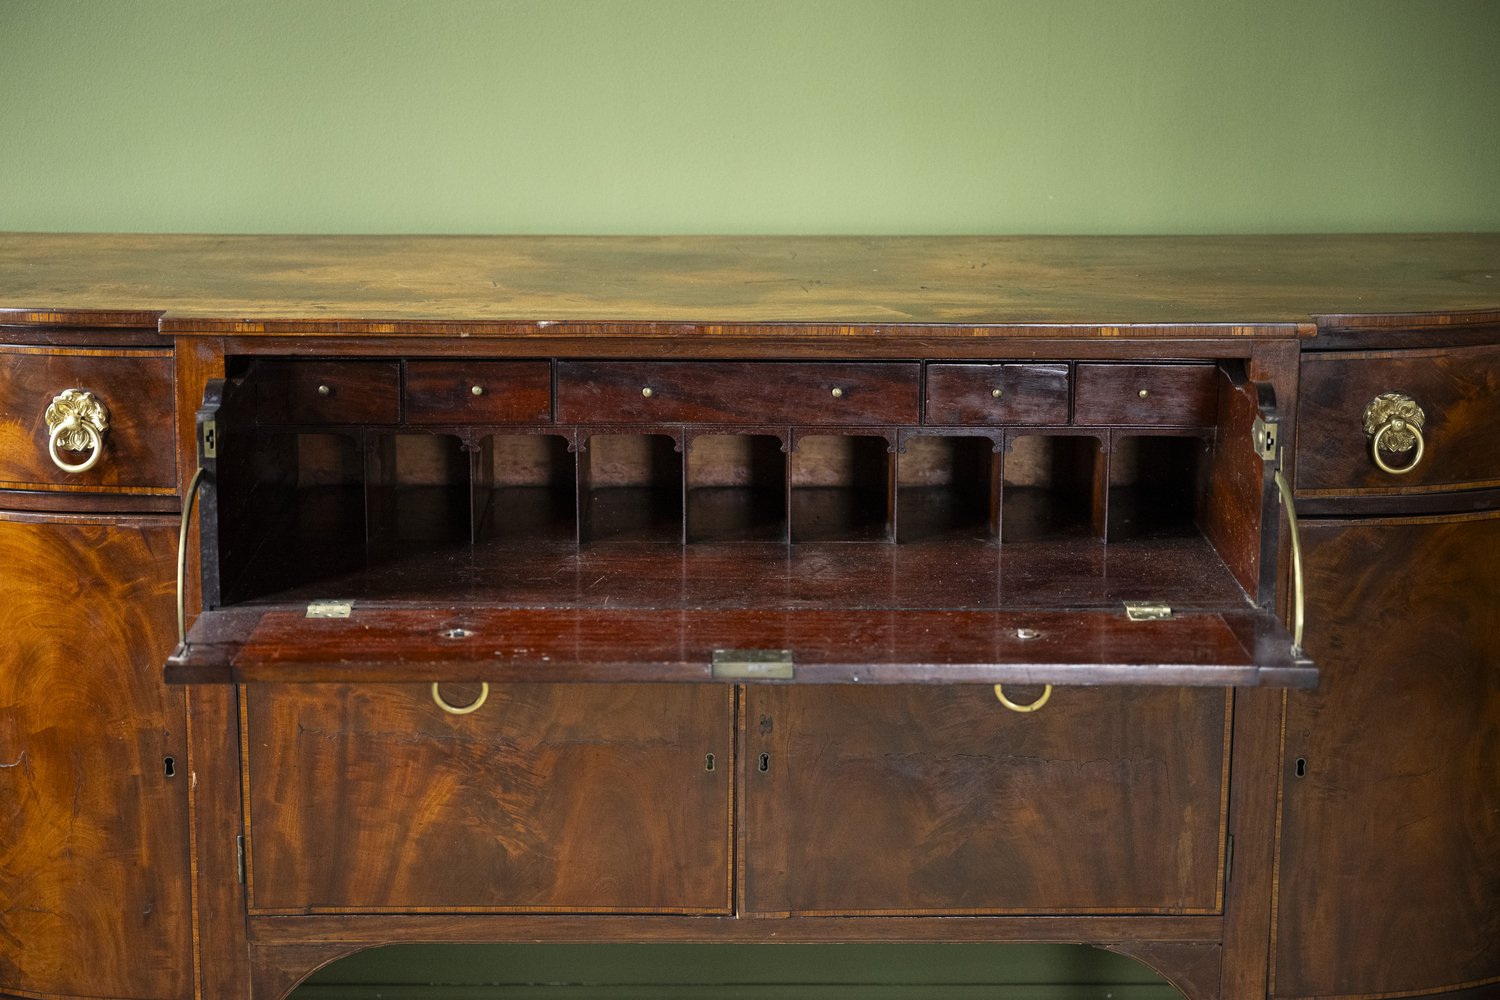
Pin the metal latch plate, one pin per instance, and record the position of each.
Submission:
(753, 664)
(1146, 611)
(330, 609)
(1266, 438)
(210, 439)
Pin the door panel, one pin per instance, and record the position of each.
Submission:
(563, 798)
(93, 831)
(939, 800)
(1390, 841)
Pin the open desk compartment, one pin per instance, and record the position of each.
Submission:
(379, 547)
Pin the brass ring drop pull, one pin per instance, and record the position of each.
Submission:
(1016, 706)
(76, 421)
(473, 706)
(1397, 426)
(1394, 421)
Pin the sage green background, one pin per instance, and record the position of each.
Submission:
(675, 116)
(937, 116)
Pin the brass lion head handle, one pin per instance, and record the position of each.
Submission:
(76, 421)
(1394, 422)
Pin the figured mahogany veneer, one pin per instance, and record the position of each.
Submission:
(1458, 391)
(1026, 434)
(477, 392)
(328, 392)
(93, 827)
(1171, 395)
(983, 395)
(725, 393)
(135, 387)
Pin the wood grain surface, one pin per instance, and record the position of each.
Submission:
(1264, 285)
(93, 832)
(738, 393)
(1459, 392)
(545, 799)
(136, 390)
(1390, 847)
(939, 800)
(593, 645)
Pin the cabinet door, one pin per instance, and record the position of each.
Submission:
(939, 800)
(1390, 841)
(93, 828)
(561, 798)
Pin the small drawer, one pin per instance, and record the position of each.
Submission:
(478, 392)
(997, 394)
(327, 392)
(738, 393)
(1454, 393)
(1170, 395)
(129, 396)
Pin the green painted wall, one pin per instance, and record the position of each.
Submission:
(937, 116)
(737, 972)
(770, 116)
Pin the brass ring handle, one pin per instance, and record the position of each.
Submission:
(1394, 421)
(1397, 425)
(1018, 707)
(76, 421)
(1299, 608)
(93, 442)
(451, 709)
(182, 548)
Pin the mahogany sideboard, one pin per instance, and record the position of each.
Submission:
(1139, 592)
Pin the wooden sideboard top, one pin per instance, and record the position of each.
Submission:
(1270, 286)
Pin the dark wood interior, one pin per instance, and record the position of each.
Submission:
(649, 499)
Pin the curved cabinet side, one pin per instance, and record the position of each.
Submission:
(1390, 843)
(94, 896)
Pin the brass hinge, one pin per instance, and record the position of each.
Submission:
(753, 664)
(239, 857)
(1147, 611)
(330, 609)
(1267, 438)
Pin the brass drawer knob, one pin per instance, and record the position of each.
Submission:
(1394, 422)
(838, 393)
(76, 421)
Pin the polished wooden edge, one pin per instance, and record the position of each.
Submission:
(1475, 989)
(72, 515)
(176, 324)
(490, 928)
(63, 488)
(1399, 520)
(1333, 504)
(498, 910)
(110, 343)
(113, 319)
(89, 503)
(741, 348)
(1350, 322)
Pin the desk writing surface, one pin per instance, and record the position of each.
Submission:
(1173, 286)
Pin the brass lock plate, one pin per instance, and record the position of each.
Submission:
(753, 664)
